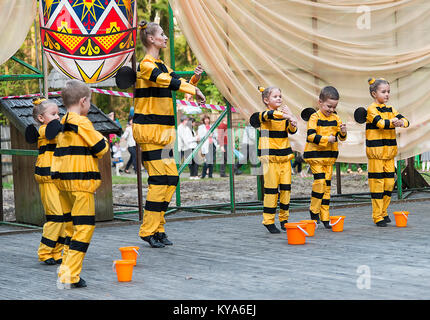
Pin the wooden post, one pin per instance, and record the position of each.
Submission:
(338, 179)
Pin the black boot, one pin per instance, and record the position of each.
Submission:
(153, 242)
(381, 223)
(162, 237)
(272, 228)
(282, 223)
(387, 219)
(327, 224)
(59, 261)
(49, 261)
(80, 284)
(315, 216)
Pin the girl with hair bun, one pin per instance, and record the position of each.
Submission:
(154, 130)
(381, 148)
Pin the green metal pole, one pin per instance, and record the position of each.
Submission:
(230, 157)
(399, 180)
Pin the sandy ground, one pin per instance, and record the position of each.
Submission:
(215, 190)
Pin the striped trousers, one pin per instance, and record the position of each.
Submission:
(53, 235)
(79, 229)
(162, 181)
(320, 198)
(277, 175)
(381, 184)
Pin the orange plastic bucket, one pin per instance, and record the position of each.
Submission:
(296, 232)
(401, 218)
(311, 226)
(129, 253)
(124, 269)
(336, 223)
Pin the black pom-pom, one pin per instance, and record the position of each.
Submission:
(306, 113)
(360, 115)
(52, 129)
(31, 134)
(125, 77)
(254, 120)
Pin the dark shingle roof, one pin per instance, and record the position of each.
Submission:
(19, 111)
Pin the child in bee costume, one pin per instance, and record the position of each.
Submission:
(275, 153)
(75, 172)
(381, 147)
(321, 151)
(52, 242)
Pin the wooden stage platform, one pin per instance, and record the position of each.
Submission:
(234, 257)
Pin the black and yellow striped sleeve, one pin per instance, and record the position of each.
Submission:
(376, 121)
(401, 117)
(291, 129)
(97, 143)
(312, 135)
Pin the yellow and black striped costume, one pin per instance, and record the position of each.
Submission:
(381, 148)
(275, 153)
(53, 237)
(321, 155)
(75, 172)
(154, 131)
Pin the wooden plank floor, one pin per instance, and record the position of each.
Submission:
(236, 258)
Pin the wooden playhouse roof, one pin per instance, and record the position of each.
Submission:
(19, 112)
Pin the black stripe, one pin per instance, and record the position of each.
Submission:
(47, 147)
(70, 127)
(328, 183)
(78, 246)
(376, 120)
(317, 195)
(283, 206)
(67, 217)
(72, 151)
(157, 154)
(380, 175)
(271, 190)
(156, 206)
(311, 131)
(162, 67)
(99, 146)
(84, 220)
(61, 240)
(174, 75)
(399, 116)
(384, 109)
(319, 176)
(164, 120)
(341, 135)
(270, 114)
(54, 218)
(273, 134)
(381, 143)
(371, 126)
(43, 171)
(174, 84)
(92, 175)
(317, 139)
(269, 210)
(275, 152)
(163, 180)
(388, 193)
(320, 154)
(285, 187)
(377, 195)
(48, 242)
(153, 92)
(387, 124)
(67, 241)
(325, 202)
(154, 74)
(326, 123)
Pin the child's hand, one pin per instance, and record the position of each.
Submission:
(343, 128)
(397, 122)
(293, 122)
(331, 139)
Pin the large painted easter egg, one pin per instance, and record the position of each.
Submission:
(88, 40)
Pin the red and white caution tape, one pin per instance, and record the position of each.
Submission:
(126, 95)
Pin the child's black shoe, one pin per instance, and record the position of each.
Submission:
(272, 228)
(80, 284)
(381, 223)
(162, 237)
(327, 224)
(153, 242)
(50, 261)
(59, 261)
(387, 219)
(315, 216)
(282, 223)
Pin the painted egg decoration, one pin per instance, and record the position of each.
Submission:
(88, 40)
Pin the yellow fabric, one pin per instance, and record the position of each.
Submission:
(80, 231)
(162, 181)
(320, 197)
(53, 236)
(274, 144)
(317, 149)
(303, 45)
(277, 176)
(380, 132)
(44, 159)
(16, 18)
(153, 120)
(381, 184)
(75, 162)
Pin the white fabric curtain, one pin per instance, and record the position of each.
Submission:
(16, 18)
(303, 45)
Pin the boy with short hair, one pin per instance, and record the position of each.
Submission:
(75, 172)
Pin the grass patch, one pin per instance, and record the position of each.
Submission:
(125, 180)
(7, 185)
